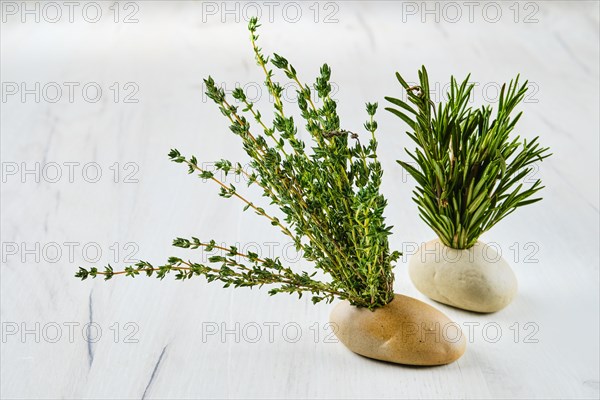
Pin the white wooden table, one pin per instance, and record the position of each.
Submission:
(143, 338)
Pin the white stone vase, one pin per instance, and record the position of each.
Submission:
(475, 279)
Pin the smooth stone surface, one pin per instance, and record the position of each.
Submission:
(167, 54)
(475, 279)
(405, 331)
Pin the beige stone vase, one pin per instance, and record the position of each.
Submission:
(475, 279)
(404, 331)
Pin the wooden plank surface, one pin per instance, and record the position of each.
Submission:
(169, 339)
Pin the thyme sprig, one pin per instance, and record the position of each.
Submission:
(326, 190)
(469, 171)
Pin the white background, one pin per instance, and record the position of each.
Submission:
(552, 245)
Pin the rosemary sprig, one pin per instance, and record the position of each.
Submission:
(328, 193)
(469, 169)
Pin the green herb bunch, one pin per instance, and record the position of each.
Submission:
(328, 192)
(469, 172)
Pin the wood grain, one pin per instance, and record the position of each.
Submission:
(168, 339)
